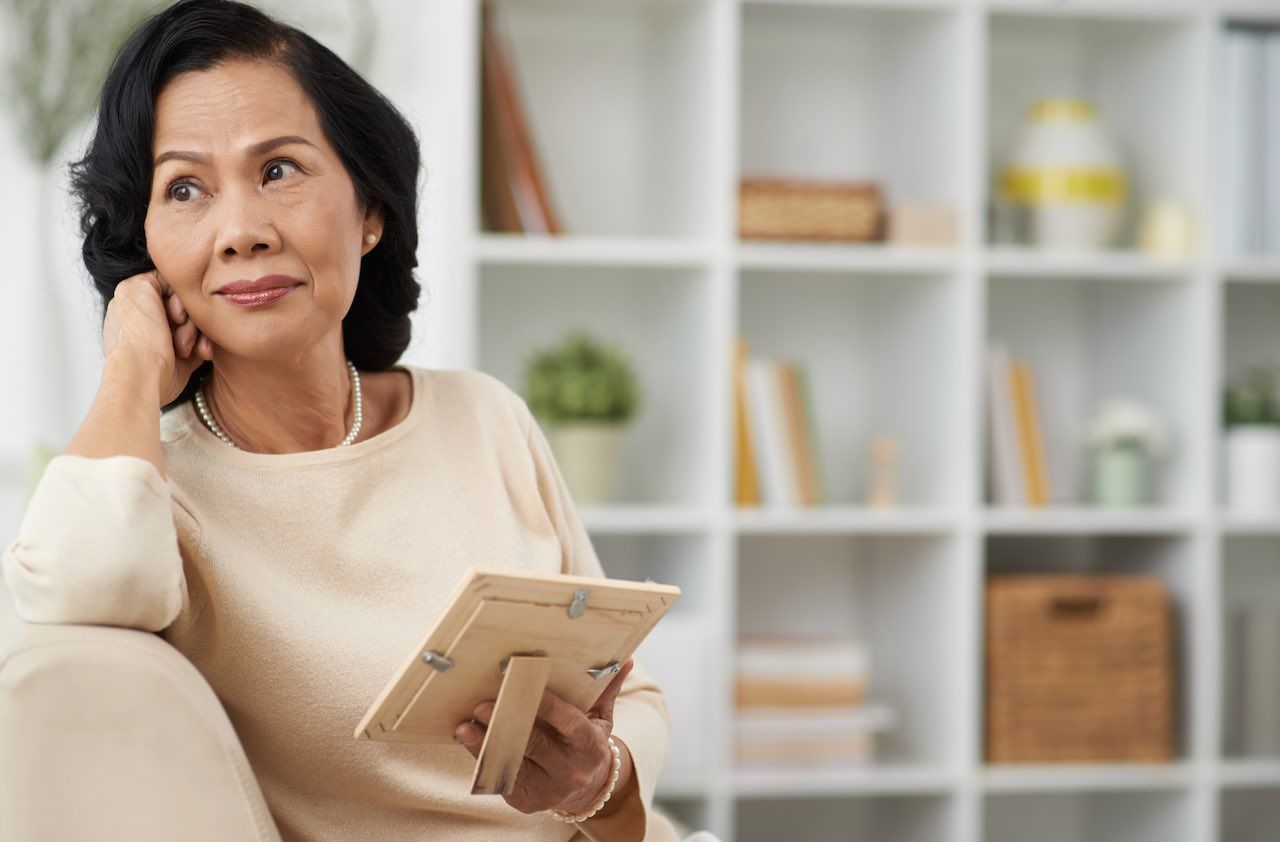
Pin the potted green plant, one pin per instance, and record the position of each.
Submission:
(1252, 446)
(584, 393)
(1125, 437)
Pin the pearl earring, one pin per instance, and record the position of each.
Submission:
(370, 239)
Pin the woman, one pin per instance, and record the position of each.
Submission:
(261, 483)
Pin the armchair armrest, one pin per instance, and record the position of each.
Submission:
(110, 733)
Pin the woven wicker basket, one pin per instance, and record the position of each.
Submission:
(791, 209)
(1079, 669)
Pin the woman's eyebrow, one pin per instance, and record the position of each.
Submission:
(257, 149)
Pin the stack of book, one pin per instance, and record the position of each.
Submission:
(777, 452)
(1251, 150)
(514, 198)
(801, 701)
(1017, 466)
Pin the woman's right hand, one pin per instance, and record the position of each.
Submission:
(146, 319)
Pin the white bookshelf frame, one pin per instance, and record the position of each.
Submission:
(958, 798)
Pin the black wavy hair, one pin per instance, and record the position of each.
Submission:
(378, 147)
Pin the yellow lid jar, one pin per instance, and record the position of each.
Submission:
(1065, 173)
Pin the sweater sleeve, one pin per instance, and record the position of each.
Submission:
(97, 545)
(641, 719)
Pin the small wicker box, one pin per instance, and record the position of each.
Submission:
(792, 209)
(1079, 669)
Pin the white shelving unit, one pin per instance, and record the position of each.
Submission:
(644, 114)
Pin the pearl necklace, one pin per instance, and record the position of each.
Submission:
(207, 417)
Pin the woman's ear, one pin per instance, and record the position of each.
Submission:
(373, 221)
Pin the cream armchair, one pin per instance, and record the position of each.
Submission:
(110, 733)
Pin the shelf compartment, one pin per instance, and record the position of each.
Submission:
(1114, 61)
(639, 76)
(1249, 338)
(884, 357)
(1250, 580)
(657, 318)
(909, 818)
(1088, 342)
(834, 92)
(1098, 817)
(1249, 815)
(897, 594)
(1172, 559)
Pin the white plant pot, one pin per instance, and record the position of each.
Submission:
(1066, 173)
(588, 456)
(1253, 469)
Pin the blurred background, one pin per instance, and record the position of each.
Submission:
(930, 346)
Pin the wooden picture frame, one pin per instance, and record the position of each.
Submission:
(508, 635)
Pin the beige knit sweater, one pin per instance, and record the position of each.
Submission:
(296, 582)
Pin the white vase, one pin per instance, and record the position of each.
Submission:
(1253, 469)
(588, 456)
(1065, 172)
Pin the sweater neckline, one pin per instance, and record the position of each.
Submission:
(219, 449)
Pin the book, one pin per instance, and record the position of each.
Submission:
(497, 204)
(1004, 470)
(516, 188)
(778, 454)
(811, 434)
(802, 671)
(1030, 441)
(768, 426)
(799, 448)
(748, 478)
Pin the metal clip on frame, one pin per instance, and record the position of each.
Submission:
(437, 660)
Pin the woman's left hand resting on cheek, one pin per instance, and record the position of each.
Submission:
(567, 762)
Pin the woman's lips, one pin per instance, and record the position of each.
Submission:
(257, 299)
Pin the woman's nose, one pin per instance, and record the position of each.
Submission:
(246, 224)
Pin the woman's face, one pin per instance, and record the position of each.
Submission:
(235, 203)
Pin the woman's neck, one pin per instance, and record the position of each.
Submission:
(282, 406)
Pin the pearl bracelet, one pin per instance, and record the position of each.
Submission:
(568, 818)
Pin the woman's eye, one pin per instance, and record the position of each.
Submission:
(171, 191)
(278, 165)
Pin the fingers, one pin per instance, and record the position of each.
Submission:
(603, 708)
(570, 723)
(470, 736)
(184, 339)
(177, 313)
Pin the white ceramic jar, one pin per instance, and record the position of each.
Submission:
(1253, 469)
(1065, 172)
